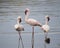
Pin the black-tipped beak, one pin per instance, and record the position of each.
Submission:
(26, 12)
(20, 20)
(48, 18)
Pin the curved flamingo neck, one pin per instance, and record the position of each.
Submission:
(46, 22)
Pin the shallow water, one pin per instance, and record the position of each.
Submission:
(10, 9)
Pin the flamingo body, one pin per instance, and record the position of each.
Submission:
(19, 27)
(46, 28)
(33, 22)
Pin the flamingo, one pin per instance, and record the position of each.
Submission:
(31, 22)
(46, 28)
(19, 27)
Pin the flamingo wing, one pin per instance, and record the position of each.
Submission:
(33, 22)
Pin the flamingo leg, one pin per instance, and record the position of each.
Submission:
(46, 34)
(22, 42)
(33, 37)
(19, 40)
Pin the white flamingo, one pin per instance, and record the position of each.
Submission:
(19, 27)
(31, 22)
(46, 28)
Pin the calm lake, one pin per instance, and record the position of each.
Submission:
(11, 9)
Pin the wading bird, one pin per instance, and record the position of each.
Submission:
(46, 28)
(19, 27)
(31, 22)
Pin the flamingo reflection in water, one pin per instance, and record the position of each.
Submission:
(19, 28)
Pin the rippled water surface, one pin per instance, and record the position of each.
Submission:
(11, 9)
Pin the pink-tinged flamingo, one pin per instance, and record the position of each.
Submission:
(31, 22)
(19, 27)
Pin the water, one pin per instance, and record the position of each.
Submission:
(10, 9)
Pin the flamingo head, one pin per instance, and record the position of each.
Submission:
(26, 11)
(19, 19)
(47, 17)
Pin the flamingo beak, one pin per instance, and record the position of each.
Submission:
(48, 18)
(20, 20)
(26, 12)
